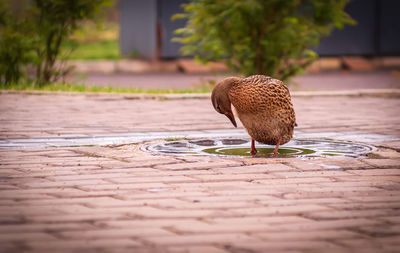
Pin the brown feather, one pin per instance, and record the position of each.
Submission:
(263, 105)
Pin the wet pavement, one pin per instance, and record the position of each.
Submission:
(113, 195)
(298, 147)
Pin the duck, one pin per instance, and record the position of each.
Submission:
(263, 105)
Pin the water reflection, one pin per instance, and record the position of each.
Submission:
(241, 148)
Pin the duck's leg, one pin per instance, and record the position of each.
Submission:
(253, 148)
(277, 146)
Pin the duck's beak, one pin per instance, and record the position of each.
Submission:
(231, 118)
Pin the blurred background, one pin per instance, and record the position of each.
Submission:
(131, 46)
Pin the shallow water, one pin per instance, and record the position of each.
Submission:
(241, 148)
(262, 152)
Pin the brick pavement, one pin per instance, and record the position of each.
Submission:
(121, 199)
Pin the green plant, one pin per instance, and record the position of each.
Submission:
(35, 38)
(271, 37)
(73, 87)
(92, 41)
(134, 54)
(15, 46)
(54, 21)
(101, 49)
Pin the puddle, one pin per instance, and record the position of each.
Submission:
(262, 152)
(224, 142)
(241, 148)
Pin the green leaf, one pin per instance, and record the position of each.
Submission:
(258, 36)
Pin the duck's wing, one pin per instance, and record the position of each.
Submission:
(265, 97)
(259, 92)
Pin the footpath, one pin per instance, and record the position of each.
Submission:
(119, 198)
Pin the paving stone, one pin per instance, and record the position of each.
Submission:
(250, 190)
(295, 180)
(335, 193)
(392, 219)
(164, 203)
(233, 177)
(322, 200)
(378, 179)
(386, 230)
(310, 174)
(135, 222)
(107, 233)
(258, 168)
(270, 220)
(308, 235)
(365, 206)
(357, 63)
(42, 191)
(161, 193)
(151, 212)
(77, 217)
(340, 214)
(60, 201)
(386, 198)
(43, 227)
(363, 244)
(61, 184)
(326, 225)
(83, 245)
(200, 239)
(361, 183)
(34, 236)
(387, 153)
(122, 199)
(377, 172)
(288, 246)
(110, 186)
(164, 179)
(196, 249)
(221, 228)
(227, 205)
(213, 185)
(394, 240)
(329, 63)
(198, 166)
(230, 198)
(17, 196)
(158, 173)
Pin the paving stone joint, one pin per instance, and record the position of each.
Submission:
(118, 198)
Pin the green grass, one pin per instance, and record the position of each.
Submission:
(96, 50)
(93, 42)
(71, 87)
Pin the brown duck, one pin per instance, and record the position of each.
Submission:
(263, 105)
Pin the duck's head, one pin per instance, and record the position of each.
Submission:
(220, 97)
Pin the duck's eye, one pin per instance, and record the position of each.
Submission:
(218, 109)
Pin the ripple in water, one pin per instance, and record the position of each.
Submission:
(241, 148)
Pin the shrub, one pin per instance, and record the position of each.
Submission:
(55, 20)
(15, 47)
(36, 37)
(271, 37)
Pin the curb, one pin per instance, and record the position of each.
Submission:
(129, 96)
(188, 65)
(350, 93)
